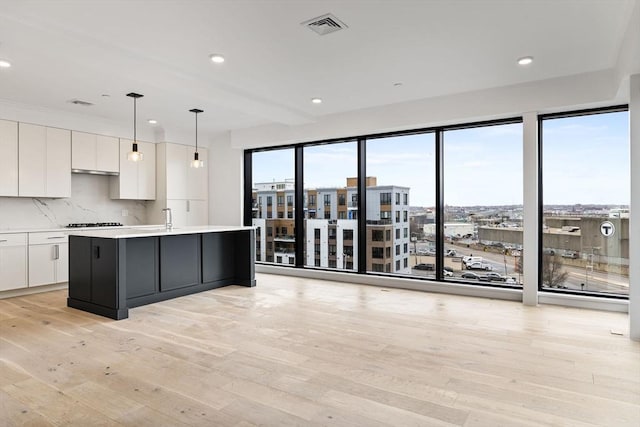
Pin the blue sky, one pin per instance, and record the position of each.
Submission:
(585, 161)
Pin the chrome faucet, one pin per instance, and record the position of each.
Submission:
(168, 218)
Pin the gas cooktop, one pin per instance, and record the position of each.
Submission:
(94, 224)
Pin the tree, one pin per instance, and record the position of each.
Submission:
(552, 274)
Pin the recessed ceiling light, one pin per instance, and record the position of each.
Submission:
(316, 100)
(4, 63)
(525, 60)
(397, 84)
(152, 121)
(217, 58)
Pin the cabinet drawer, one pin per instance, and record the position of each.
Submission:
(48, 237)
(13, 239)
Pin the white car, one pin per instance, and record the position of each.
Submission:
(478, 265)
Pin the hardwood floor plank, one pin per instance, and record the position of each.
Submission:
(304, 352)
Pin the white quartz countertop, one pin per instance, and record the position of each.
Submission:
(158, 230)
(66, 229)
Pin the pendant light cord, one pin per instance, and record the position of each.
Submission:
(134, 121)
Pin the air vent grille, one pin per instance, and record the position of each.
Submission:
(79, 102)
(325, 24)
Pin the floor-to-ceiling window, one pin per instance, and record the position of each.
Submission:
(585, 197)
(483, 204)
(273, 188)
(400, 216)
(331, 205)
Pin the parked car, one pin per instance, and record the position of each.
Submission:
(423, 266)
(470, 275)
(469, 259)
(495, 277)
(478, 265)
(570, 254)
(450, 252)
(447, 273)
(510, 281)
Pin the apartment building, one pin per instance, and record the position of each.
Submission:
(331, 225)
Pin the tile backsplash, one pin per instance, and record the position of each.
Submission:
(89, 202)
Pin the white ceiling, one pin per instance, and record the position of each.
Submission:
(62, 50)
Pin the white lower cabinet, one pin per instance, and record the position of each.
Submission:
(48, 258)
(13, 261)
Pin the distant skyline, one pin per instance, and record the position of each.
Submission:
(585, 161)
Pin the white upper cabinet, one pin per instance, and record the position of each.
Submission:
(92, 152)
(44, 161)
(8, 158)
(180, 187)
(137, 180)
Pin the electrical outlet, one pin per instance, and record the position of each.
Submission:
(125, 212)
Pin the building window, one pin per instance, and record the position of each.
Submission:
(397, 249)
(327, 199)
(280, 214)
(332, 263)
(397, 265)
(317, 248)
(290, 214)
(397, 216)
(269, 201)
(290, 200)
(406, 233)
(269, 231)
(377, 268)
(406, 263)
(385, 215)
(405, 216)
(377, 235)
(385, 198)
(342, 199)
(388, 235)
(279, 259)
(317, 262)
(332, 250)
(377, 253)
(312, 199)
(406, 198)
(406, 248)
(397, 198)
(332, 233)
(292, 261)
(327, 214)
(387, 268)
(342, 215)
(280, 200)
(387, 252)
(397, 233)
(468, 174)
(316, 233)
(347, 234)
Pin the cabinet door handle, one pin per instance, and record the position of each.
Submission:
(3, 240)
(56, 252)
(56, 237)
(97, 252)
(188, 205)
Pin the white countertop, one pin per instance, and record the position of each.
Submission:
(66, 229)
(150, 231)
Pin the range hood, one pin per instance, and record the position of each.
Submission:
(94, 172)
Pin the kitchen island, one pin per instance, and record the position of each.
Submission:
(111, 271)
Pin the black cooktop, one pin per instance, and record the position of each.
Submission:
(94, 224)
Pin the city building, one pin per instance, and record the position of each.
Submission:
(331, 226)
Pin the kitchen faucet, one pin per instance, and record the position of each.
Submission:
(168, 218)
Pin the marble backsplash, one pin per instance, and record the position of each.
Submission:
(89, 202)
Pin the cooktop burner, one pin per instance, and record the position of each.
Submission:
(94, 224)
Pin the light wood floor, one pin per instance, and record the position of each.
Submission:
(305, 352)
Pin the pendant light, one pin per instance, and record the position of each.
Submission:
(196, 162)
(134, 155)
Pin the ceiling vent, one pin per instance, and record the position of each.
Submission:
(79, 102)
(325, 24)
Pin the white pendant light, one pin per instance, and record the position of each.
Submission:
(135, 155)
(196, 162)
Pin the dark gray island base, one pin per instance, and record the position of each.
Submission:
(109, 275)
